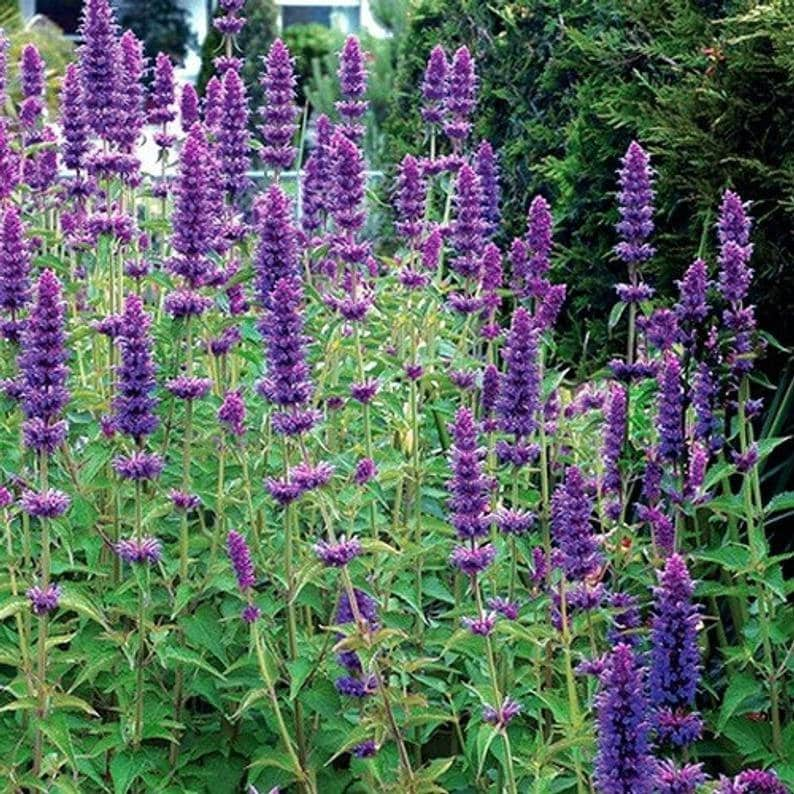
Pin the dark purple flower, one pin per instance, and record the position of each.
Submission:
(196, 209)
(744, 461)
(753, 781)
(74, 121)
(308, 477)
(189, 388)
(139, 466)
(146, 550)
(468, 228)
(469, 489)
(501, 716)
(44, 600)
(317, 177)
(10, 172)
(434, 86)
(163, 95)
(410, 199)
(540, 565)
(692, 307)
(635, 201)
(461, 95)
(519, 392)
(670, 415)
(661, 329)
(623, 762)
(288, 383)
(472, 560)
(514, 521)
(507, 609)
(283, 491)
(234, 158)
(277, 253)
(212, 103)
(240, 557)
(134, 403)
(366, 749)
(251, 613)
(279, 112)
(182, 500)
(366, 470)
(672, 779)
(675, 657)
(634, 293)
(354, 687)
(348, 184)
(571, 509)
(614, 436)
(98, 66)
(734, 224)
(129, 117)
(231, 414)
(431, 249)
(482, 626)
(6, 499)
(14, 263)
(188, 107)
(662, 528)
(487, 167)
(45, 504)
(704, 395)
(677, 727)
(696, 471)
(365, 392)
(353, 86)
(42, 360)
(366, 606)
(338, 554)
(186, 303)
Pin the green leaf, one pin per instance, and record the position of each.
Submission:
(780, 502)
(732, 557)
(72, 702)
(125, 767)
(616, 314)
(299, 671)
(12, 606)
(741, 687)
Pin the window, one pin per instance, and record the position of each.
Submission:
(345, 19)
(64, 13)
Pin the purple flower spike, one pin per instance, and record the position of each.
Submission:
(469, 489)
(513, 521)
(367, 749)
(74, 120)
(240, 557)
(367, 609)
(213, 96)
(233, 140)
(45, 504)
(662, 528)
(410, 199)
(734, 224)
(670, 417)
(519, 393)
(97, 64)
(196, 211)
(130, 117)
(692, 307)
(348, 184)
(277, 254)
(571, 509)
(135, 403)
(42, 360)
(279, 112)
(735, 276)
(486, 165)
(468, 228)
(434, 86)
(288, 383)
(163, 94)
(317, 178)
(675, 657)
(461, 95)
(188, 107)
(352, 85)
(623, 762)
(339, 554)
(44, 600)
(636, 206)
(182, 500)
(187, 388)
(14, 264)
(139, 466)
(507, 609)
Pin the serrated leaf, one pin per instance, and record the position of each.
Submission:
(188, 657)
(780, 502)
(740, 688)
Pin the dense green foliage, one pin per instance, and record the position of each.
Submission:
(564, 86)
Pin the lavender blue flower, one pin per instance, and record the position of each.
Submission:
(571, 510)
(163, 94)
(231, 414)
(461, 95)
(74, 120)
(486, 165)
(410, 199)
(636, 206)
(234, 158)
(614, 436)
(139, 466)
(279, 112)
(353, 86)
(98, 67)
(318, 174)
(469, 489)
(240, 558)
(44, 600)
(623, 762)
(434, 86)
(468, 228)
(670, 415)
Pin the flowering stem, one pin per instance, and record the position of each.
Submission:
(43, 621)
(367, 424)
(21, 627)
(259, 645)
(140, 662)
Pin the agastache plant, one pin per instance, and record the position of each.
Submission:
(299, 478)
